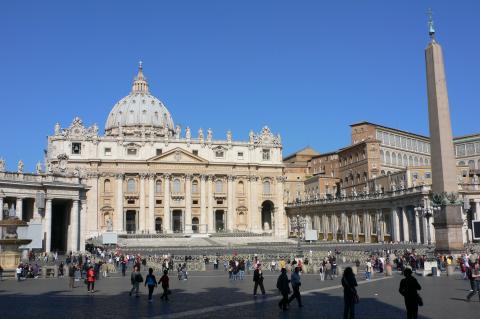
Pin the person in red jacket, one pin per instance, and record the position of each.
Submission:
(91, 279)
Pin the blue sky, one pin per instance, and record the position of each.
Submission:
(307, 69)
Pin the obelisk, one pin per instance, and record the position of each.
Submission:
(447, 222)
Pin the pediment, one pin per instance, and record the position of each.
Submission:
(177, 155)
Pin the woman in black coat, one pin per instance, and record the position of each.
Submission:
(350, 297)
(409, 290)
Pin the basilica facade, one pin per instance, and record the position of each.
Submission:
(146, 176)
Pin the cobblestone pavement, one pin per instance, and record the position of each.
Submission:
(212, 295)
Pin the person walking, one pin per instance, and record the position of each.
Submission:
(91, 279)
(350, 296)
(409, 287)
(322, 272)
(284, 288)
(71, 276)
(473, 274)
(328, 270)
(258, 280)
(135, 279)
(151, 282)
(295, 282)
(368, 270)
(165, 281)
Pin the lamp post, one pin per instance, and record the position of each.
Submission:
(298, 223)
(428, 212)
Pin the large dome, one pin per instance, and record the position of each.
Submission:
(139, 111)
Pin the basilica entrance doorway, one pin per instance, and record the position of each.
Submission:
(220, 220)
(60, 217)
(131, 221)
(195, 224)
(158, 224)
(177, 223)
(267, 212)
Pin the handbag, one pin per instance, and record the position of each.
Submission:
(419, 300)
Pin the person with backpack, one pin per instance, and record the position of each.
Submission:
(409, 287)
(284, 288)
(295, 281)
(258, 280)
(473, 274)
(165, 281)
(151, 282)
(135, 279)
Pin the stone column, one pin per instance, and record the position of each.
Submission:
(188, 204)
(203, 208)
(119, 203)
(83, 221)
(343, 219)
(19, 208)
(406, 236)
(367, 226)
(167, 227)
(249, 204)
(256, 223)
(141, 218)
(36, 214)
(379, 223)
(48, 225)
(230, 202)
(334, 226)
(151, 204)
(477, 209)
(325, 226)
(417, 228)
(395, 230)
(280, 230)
(73, 239)
(210, 221)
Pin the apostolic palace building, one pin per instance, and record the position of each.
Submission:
(145, 177)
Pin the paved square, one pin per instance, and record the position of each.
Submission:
(212, 295)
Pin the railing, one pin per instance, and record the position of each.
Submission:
(362, 197)
(27, 177)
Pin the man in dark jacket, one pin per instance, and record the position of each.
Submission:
(283, 286)
(258, 280)
(409, 290)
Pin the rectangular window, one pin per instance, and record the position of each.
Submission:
(107, 151)
(266, 154)
(219, 202)
(240, 155)
(76, 148)
(132, 151)
(131, 201)
(159, 151)
(428, 175)
(195, 152)
(195, 202)
(470, 149)
(219, 154)
(460, 149)
(158, 201)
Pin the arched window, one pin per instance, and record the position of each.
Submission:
(394, 158)
(195, 187)
(241, 188)
(266, 187)
(399, 160)
(364, 176)
(176, 185)
(158, 186)
(218, 186)
(461, 163)
(387, 157)
(410, 160)
(382, 156)
(195, 224)
(382, 172)
(422, 161)
(131, 185)
(471, 164)
(358, 178)
(415, 161)
(107, 186)
(426, 161)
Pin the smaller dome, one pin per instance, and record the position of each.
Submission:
(139, 110)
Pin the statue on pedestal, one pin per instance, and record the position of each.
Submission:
(20, 166)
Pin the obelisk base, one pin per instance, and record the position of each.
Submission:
(449, 231)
